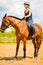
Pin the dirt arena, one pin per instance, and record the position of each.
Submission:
(7, 53)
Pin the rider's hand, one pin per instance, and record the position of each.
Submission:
(24, 18)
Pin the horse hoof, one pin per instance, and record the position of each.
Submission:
(35, 55)
(15, 56)
(24, 56)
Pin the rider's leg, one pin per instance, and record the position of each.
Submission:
(33, 31)
(32, 27)
(28, 26)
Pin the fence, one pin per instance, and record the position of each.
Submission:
(8, 40)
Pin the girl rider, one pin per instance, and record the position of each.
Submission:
(28, 18)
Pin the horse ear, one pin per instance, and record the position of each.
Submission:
(5, 15)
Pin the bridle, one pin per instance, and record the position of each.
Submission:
(10, 26)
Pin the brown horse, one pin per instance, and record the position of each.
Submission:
(22, 33)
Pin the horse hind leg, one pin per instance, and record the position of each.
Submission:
(35, 48)
(38, 44)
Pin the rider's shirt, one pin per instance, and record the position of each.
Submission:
(29, 19)
(27, 14)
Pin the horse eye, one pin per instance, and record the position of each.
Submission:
(5, 21)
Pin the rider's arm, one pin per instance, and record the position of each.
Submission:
(28, 14)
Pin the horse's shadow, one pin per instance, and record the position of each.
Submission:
(7, 58)
(13, 58)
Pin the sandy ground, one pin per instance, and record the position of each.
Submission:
(7, 53)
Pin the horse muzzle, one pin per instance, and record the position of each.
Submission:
(2, 30)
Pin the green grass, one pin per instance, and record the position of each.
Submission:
(8, 34)
(42, 36)
(8, 37)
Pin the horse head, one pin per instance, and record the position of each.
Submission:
(5, 23)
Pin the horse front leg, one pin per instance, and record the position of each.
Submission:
(17, 48)
(24, 48)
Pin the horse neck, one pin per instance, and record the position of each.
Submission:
(13, 22)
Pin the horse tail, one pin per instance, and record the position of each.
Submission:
(39, 29)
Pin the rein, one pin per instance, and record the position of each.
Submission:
(17, 18)
(18, 23)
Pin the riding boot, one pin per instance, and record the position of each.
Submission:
(33, 32)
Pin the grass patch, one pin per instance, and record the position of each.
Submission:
(8, 34)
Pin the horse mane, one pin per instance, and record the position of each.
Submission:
(16, 17)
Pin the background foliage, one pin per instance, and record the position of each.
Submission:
(10, 37)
